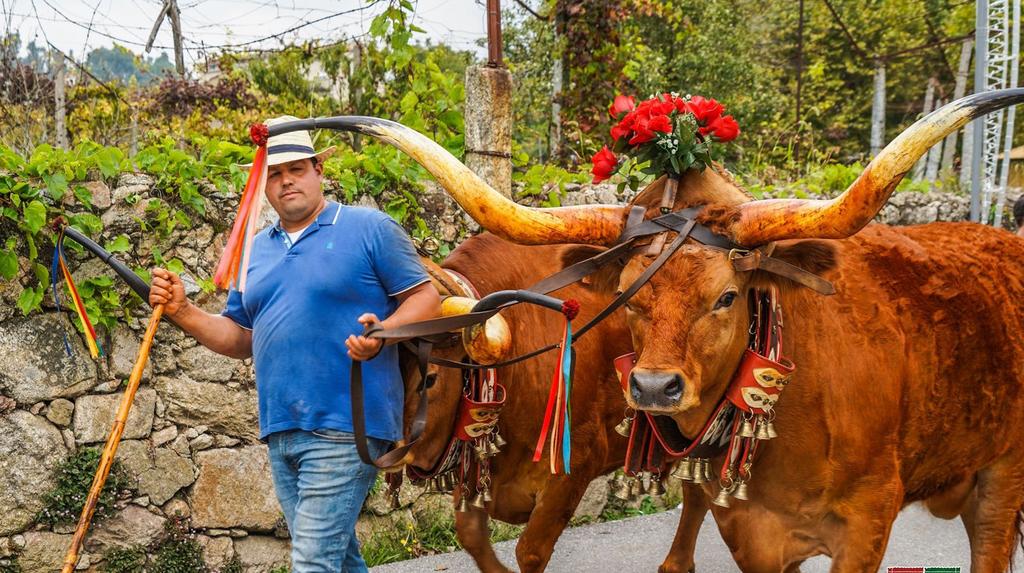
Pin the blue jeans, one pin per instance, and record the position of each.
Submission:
(321, 485)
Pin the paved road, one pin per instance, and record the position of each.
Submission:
(640, 543)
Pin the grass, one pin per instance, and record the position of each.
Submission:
(430, 533)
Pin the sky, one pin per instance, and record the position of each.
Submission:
(457, 23)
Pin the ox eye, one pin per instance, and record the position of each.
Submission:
(725, 301)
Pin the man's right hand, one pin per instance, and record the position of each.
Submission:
(168, 290)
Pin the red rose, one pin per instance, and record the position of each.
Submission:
(723, 128)
(622, 104)
(705, 110)
(646, 127)
(605, 163)
(620, 130)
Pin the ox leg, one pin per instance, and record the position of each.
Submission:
(475, 537)
(864, 534)
(555, 505)
(695, 507)
(991, 515)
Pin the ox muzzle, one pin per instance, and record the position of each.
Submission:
(656, 389)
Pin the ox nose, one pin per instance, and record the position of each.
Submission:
(655, 389)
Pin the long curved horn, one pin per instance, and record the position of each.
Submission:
(592, 224)
(769, 220)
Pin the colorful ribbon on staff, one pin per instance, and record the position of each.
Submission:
(558, 412)
(234, 261)
(59, 264)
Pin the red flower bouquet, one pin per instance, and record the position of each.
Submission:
(664, 134)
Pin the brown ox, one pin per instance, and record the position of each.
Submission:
(908, 385)
(523, 491)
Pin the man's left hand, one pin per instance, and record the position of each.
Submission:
(360, 347)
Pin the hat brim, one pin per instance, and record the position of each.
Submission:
(279, 158)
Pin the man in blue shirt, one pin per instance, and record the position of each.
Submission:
(315, 279)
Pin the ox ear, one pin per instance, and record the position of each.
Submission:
(812, 255)
(605, 279)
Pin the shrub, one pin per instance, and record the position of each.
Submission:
(63, 504)
(180, 552)
(125, 560)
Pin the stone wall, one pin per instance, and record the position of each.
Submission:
(190, 444)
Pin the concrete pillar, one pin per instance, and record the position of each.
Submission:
(488, 122)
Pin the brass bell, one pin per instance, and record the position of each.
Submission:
(700, 471)
(747, 429)
(762, 431)
(499, 441)
(741, 491)
(463, 505)
(623, 490)
(624, 427)
(433, 486)
(448, 481)
(683, 470)
(656, 488)
(722, 500)
(640, 488)
(491, 449)
(486, 495)
(709, 473)
(771, 430)
(478, 502)
(632, 488)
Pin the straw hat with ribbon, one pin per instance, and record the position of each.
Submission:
(291, 146)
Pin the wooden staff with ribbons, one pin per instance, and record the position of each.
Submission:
(114, 439)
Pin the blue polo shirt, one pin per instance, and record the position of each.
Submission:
(301, 302)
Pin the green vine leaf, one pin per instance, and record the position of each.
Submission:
(35, 216)
(30, 299)
(8, 265)
(121, 244)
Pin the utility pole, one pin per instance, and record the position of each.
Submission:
(58, 97)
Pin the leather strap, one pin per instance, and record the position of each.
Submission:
(577, 271)
(753, 260)
(419, 423)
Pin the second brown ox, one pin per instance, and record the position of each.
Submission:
(909, 379)
(523, 491)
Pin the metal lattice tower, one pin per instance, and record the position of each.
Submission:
(996, 62)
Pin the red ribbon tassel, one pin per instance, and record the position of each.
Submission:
(231, 259)
(557, 419)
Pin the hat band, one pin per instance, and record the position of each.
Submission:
(290, 148)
